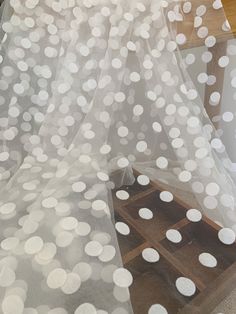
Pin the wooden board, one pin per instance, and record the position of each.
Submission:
(155, 282)
(213, 19)
(230, 11)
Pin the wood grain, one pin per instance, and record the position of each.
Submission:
(155, 282)
(213, 20)
(230, 12)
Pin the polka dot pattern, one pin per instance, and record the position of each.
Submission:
(89, 90)
(185, 286)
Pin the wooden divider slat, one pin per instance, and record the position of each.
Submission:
(221, 282)
(156, 244)
(135, 252)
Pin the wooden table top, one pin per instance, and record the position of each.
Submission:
(213, 19)
(230, 11)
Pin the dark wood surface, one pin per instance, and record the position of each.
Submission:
(155, 282)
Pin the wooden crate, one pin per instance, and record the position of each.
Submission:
(155, 282)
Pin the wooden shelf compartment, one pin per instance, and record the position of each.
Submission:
(164, 214)
(198, 238)
(155, 282)
(128, 242)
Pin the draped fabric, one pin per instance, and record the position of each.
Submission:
(89, 91)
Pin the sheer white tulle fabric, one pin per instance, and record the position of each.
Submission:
(89, 87)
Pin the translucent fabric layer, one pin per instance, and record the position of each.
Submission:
(117, 119)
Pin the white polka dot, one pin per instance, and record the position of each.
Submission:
(202, 32)
(122, 228)
(216, 143)
(72, 283)
(227, 200)
(185, 176)
(143, 180)
(69, 223)
(157, 127)
(162, 162)
(14, 112)
(141, 7)
(187, 6)
(7, 276)
(228, 116)
(84, 270)
(166, 196)
(197, 21)
(83, 229)
(122, 278)
(223, 61)
(157, 309)
(173, 235)
(217, 4)
(56, 140)
(123, 162)
(4, 156)
(131, 46)
(56, 278)
(103, 176)
(212, 189)
(151, 95)
(33, 245)
(31, 4)
(193, 122)
(202, 78)
(92, 84)
(108, 253)
(150, 255)
(122, 195)
(119, 97)
(141, 146)
(81, 101)
(99, 205)
(201, 10)
(78, 186)
(147, 64)
(49, 202)
(84, 51)
(116, 63)
(64, 239)
(134, 77)
(208, 260)
(9, 134)
(138, 110)
(233, 82)
(12, 304)
(185, 286)
(194, 215)
(190, 58)
(145, 213)
(181, 39)
(48, 251)
(210, 202)
(210, 41)
(215, 98)
(93, 248)
(226, 236)
(10, 243)
(86, 308)
(166, 76)
(7, 208)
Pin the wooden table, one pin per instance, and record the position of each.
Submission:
(155, 282)
(230, 11)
